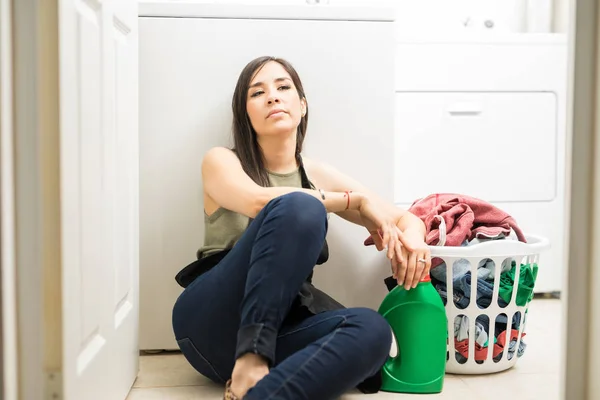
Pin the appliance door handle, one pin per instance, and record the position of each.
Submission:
(465, 108)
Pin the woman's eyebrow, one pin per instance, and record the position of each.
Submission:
(256, 84)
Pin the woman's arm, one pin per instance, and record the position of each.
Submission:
(228, 186)
(412, 259)
(330, 179)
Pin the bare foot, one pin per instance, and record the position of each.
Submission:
(247, 371)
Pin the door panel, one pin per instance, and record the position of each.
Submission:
(98, 102)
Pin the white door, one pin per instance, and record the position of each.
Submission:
(99, 196)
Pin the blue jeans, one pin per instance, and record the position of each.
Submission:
(241, 306)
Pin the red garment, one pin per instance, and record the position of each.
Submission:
(481, 352)
(465, 218)
(501, 338)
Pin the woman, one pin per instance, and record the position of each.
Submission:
(249, 315)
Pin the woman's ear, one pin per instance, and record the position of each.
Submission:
(303, 107)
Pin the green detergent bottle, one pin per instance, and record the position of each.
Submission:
(418, 320)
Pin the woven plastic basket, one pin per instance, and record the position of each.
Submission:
(488, 358)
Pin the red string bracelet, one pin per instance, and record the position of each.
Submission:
(348, 194)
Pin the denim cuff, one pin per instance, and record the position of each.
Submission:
(257, 339)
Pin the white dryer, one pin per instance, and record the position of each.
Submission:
(485, 115)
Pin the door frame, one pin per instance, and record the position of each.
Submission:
(28, 201)
(581, 310)
(35, 60)
(8, 304)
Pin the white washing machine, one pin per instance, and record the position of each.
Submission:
(190, 56)
(485, 115)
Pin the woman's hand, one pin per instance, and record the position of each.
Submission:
(413, 258)
(381, 227)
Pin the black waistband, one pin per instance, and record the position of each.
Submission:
(199, 267)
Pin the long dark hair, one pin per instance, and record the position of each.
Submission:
(244, 136)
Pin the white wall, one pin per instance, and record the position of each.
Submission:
(560, 22)
(504, 15)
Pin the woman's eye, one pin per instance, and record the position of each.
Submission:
(259, 92)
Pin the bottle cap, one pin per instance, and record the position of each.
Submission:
(426, 278)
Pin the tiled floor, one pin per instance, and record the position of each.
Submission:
(536, 375)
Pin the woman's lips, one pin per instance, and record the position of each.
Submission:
(275, 112)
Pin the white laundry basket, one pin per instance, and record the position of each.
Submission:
(498, 251)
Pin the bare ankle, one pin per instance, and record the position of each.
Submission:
(247, 371)
(251, 360)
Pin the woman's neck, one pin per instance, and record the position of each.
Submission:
(279, 154)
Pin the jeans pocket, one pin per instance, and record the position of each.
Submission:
(198, 361)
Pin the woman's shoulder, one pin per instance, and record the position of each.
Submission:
(219, 155)
(219, 151)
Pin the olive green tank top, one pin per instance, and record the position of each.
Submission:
(223, 228)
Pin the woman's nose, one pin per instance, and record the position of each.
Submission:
(273, 99)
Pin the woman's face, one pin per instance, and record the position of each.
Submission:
(273, 104)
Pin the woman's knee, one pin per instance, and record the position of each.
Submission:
(303, 211)
(375, 333)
